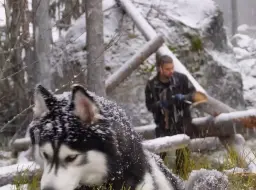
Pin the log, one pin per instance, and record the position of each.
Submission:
(205, 144)
(164, 144)
(24, 172)
(20, 144)
(125, 70)
(219, 126)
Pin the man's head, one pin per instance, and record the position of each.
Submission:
(166, 66)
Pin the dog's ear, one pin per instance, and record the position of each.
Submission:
(84, 105)
(43, 99)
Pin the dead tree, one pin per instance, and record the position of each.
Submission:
(125, 70)
(43, 41)
(234, 16)
(95, 47)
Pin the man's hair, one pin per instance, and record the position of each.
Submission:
(164, 59)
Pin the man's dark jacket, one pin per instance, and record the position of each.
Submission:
(179, 117)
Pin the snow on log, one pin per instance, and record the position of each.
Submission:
(221, 125)
(9, 174)
(204, 144)
(163, 144)
(145, 128)
(238, 116)
(237, 143)
(132, 64)
(195, 145)
(223, 117)
(155, 145)
(225, 124)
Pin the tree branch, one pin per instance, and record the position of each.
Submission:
(124, 71)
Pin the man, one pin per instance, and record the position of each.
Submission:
(166, 96)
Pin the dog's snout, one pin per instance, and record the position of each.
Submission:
(48, 188)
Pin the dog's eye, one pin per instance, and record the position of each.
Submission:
(45, 156)
(70, 158)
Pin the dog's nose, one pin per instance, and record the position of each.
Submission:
(48, 188)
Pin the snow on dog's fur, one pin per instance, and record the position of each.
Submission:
(83, 140)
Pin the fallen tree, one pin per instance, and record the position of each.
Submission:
(168, 143)
(159, 144)
(125, 70)
(220, 126)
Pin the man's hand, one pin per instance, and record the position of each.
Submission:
(164, 99)
(179, 97)
(164, 104)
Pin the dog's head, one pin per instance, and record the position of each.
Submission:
(70, 137)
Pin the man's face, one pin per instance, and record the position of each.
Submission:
(166, 70)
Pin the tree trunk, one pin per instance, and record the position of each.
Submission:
(234, 16)
(43, 41)
(95, 47)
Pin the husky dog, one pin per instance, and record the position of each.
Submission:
(83, 140)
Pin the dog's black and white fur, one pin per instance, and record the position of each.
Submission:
(86, 140)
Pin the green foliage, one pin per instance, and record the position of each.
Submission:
(24, 178)
(196, 42)
(173, 49)
(242, 181)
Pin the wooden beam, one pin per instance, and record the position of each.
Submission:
(155, 145)
(125, 70)
(220, 126)
(168, 143)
